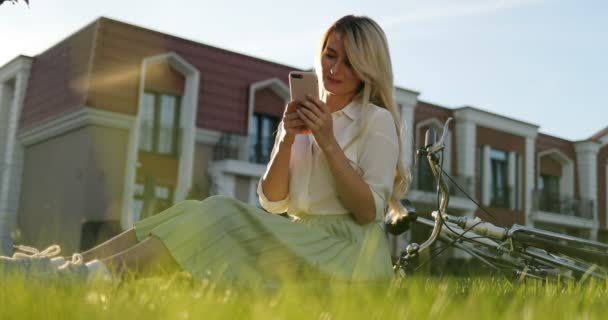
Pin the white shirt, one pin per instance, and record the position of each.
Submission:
(312, 188)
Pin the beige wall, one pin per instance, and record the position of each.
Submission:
(241, 188)
(68, 180)
(200, 178)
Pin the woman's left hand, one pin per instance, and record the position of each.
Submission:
(317, 117)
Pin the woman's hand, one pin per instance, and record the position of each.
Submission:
(316, 116)
(292, 124)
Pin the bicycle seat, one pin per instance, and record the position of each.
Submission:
(401, 224)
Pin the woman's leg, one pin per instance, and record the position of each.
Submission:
(146, 257)
(115, 245)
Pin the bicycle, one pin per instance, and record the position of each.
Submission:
(518, 251)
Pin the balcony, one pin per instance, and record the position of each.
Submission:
(563, 205)
(230, 174)
(228, 147)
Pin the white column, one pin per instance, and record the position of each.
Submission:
(567, 180)
(223, 183)
(512, 179)
(486, 176)
(606, 195)
(4, 114)
(10, 185)
(586, 154)
(447, 154)
(407, 125)
(5, 241)
(466, 141)
(529, 176)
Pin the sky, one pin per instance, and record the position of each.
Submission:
(543, 62)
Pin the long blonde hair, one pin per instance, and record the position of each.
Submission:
(367, 50)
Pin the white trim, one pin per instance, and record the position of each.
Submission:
(276, 85)
(604, 139)
(529, 177)
(406, 97)
(189, 106)
(587, 146)
(15, 66)
(586, 155)
(466, 140)
(408, 101)
(486, 176)
(512, 155)
(72, 120)
(11, 164)
(493, 121)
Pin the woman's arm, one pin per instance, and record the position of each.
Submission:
(275, 182)
(353, 191)
(364, 196)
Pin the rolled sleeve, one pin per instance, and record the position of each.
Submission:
(378, 159)
(279, 206)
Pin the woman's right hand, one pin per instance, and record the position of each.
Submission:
(292, 124)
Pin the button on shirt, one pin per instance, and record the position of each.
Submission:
(312, 187)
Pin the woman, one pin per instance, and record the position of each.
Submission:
(338, 181)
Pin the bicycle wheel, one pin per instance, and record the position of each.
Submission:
(571, 266)
(582, 249)
(517, 262)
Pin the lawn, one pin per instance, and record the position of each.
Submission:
(420, 297)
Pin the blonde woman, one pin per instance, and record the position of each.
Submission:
(339, 181)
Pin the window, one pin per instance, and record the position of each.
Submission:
(426, 179)
(499, 187)
(150, 198)
(160, 123)
(548, 186)
(262, 131)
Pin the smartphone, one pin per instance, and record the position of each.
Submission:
(302, 83)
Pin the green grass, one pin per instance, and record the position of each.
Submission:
(176, 297)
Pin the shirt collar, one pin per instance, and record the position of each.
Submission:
(352, 110)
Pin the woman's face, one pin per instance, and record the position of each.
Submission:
(338, 76)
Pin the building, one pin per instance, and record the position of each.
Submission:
(117, 122)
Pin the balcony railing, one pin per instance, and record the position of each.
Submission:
(227, 147)
(560, 204)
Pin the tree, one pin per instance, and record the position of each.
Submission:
(15, 1)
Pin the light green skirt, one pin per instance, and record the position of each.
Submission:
(225, 239)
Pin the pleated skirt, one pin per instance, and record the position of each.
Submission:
(224, 239)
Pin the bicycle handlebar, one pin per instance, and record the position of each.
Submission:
(430, 151)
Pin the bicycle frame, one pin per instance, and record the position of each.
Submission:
(517, 246)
